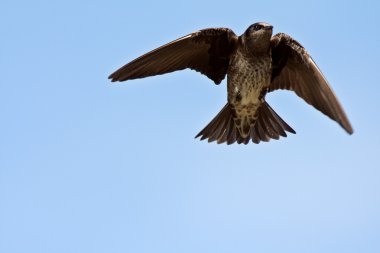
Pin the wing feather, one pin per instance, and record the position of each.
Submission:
(295, 70)
(206, 51)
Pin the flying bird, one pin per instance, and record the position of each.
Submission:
(255, 64)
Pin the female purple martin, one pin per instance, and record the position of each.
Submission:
(255, 63)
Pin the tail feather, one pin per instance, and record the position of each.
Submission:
(217, 125)
(271, 129)
(268, 125)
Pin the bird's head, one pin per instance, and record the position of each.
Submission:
(258, 36)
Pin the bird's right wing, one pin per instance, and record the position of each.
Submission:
(207, 51)
(294, 69)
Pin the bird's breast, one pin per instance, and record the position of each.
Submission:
(247, 77)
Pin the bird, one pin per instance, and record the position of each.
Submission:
(255, 63)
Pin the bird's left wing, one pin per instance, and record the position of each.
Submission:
(294, 69)
(207, 51)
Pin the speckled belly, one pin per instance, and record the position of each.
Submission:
(246, 80)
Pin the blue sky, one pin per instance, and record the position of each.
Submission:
(90, 166)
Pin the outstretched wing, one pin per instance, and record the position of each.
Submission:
(294, 69)
(207, 51)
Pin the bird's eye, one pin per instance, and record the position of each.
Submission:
(257, 27)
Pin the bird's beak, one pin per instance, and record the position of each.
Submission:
(269, 27)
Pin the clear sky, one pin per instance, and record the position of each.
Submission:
(90, 166)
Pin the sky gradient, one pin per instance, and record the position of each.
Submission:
(90, 166)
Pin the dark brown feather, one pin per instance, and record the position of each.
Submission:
(295, 70)
(206, 51)
(267, 126)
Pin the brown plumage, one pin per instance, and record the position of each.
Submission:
(255, 63)
(206, 51)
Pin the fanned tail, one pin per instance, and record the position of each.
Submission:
(268, 125)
